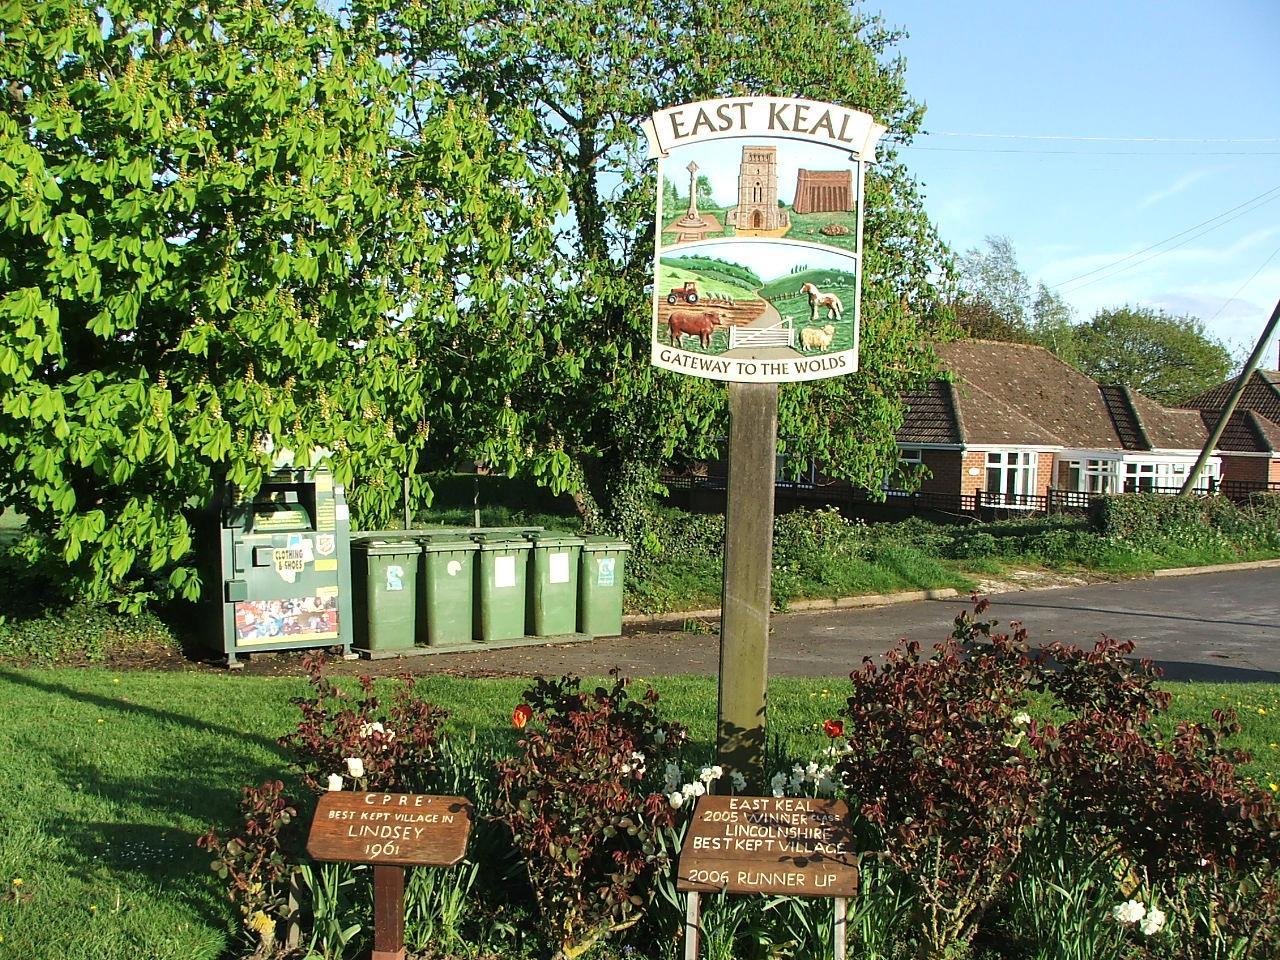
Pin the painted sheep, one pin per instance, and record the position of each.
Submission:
(817, 338)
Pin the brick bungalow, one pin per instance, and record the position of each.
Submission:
(1015, 422)
(1250, 444)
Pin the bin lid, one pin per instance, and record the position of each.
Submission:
(443, 542)
(500, 541)
(387, 548)
(552, 538)
(601, 543)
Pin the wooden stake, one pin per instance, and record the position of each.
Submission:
(691, 918)
(388, 913)
(842, 916)
(748, 566)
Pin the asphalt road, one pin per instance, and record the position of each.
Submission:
(1214, 626)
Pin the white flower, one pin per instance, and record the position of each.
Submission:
(355, 768)
(826, 785)
(1130, 911)
(1022, 719)
(707, 774)
(660, 737)
(778, 784)
(335, 781)
(626, 768)
(676, 800)
(1153, 922)
(695, 789)
(739, 781)
(369, 729)
(671, 776)
(811, 771)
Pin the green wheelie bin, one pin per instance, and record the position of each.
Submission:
(385, 587)
(600, 587)
(447, 599)
(553, 583)
(501, 575)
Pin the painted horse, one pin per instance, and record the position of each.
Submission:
(819, 300)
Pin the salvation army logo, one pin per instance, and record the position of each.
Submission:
(325, 544)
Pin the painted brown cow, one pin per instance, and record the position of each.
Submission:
(700, 324)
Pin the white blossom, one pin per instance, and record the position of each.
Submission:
(355, 768)
(660, 737)
(707, 774)
(1022, 719)
(1131, 911)
(1153, 922)
(778, 784)
(739, 781)
(826, 785)
(676, 800)
(335, 781)
(671, 776)
(695, 789)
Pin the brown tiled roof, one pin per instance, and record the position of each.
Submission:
(1012, 393)
(1261, 394)
(930, 416)
(1255, 424)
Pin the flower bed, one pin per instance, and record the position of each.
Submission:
(1080, 832)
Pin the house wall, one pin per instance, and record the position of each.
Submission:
(1252, 469)
(1275, 470)
(945, 467)
(972, 484)
(1044, 474)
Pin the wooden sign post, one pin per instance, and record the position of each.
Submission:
(747, 587)
(794, 846)
(391, 831)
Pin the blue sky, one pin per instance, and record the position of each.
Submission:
(1087, 132)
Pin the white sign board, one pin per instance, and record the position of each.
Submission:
(758, 246)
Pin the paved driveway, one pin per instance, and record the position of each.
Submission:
(1223, 626)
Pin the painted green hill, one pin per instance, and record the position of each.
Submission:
(709, 284)
(821, 278)
(710, 266)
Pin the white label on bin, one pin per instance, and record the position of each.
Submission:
(454, 567)
(559, 572)
(605, 576)
(504, 571)
(395, 577)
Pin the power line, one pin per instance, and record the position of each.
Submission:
(1245, 284)
(1099, 153)
(1054, 136)
(1252, 204)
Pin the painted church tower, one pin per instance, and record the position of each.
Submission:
(757, 212)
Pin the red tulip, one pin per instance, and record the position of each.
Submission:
(522, 715)
(833, 728)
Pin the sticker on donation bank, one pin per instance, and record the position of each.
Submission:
(758, 248)
(504, 571)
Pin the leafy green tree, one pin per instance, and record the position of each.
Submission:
(993, 301)
(598, 419)
(1167, 357)
(215, 244)
(993, 293)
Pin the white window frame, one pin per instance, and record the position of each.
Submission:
(1016, 474)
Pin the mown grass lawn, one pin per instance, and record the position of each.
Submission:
(109, 778)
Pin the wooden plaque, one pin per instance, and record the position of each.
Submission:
(408, 829)
(796, 846)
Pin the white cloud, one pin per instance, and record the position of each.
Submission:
(1178, 186)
